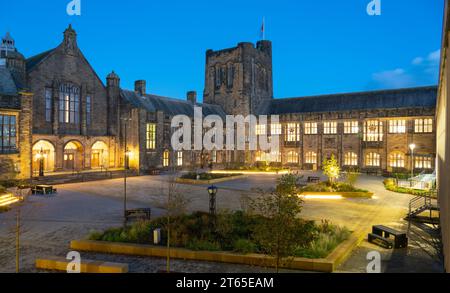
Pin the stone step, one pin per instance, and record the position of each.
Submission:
(86, 266)
(8, 199)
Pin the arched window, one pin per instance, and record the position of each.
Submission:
(292, 157)
(373, 160)
(351, 159)
(311, 158)
(397, 160)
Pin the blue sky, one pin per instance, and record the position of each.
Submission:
(319, 47)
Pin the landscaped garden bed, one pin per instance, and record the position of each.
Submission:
(259, 167)
(207, 178)
(232, 232)
(390, 184)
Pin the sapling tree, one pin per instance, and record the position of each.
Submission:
(331, 169)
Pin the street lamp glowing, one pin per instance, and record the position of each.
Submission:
(412, 147)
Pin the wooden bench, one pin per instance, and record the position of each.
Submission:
(86, 265)
(43, 189)
(372, 172)
(381, 241)
(154, 172)
(400, 239)
(312, 179)
(139, 213)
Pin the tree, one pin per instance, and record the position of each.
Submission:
(277, 232)
(331, 169)
(175, 205)
(7, 169)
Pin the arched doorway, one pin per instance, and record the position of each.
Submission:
(99, 155)
(73, 155)
(45, 151)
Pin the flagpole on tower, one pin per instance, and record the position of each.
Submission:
(263, 29)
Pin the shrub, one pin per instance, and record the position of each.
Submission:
(196, 244)
(244, 246)
(4, 209)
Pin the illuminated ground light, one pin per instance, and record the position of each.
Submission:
(7, 199)
(321, 196)
(282, 172)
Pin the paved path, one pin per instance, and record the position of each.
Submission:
(50, 223)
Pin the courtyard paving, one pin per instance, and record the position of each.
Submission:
(48, 224)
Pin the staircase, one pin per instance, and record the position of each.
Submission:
(419, 205)
(8, 199)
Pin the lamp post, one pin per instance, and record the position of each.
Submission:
(212, 191)
(412, 147)
(125, 167)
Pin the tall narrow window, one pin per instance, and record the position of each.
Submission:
(351, 159)
(166, 156)
(373, 130)
(397, 160)
(311, 158)
(421, 162)
(351, 127)
(373, 160)
(48, 105)
(330, 127)
(292, 157)
(310, 127)
(397, 126)
(151, 136)
(261, 129)
(69, 104)
(292, 132)
(8, 139)
(88, 110)
(275, 129)
(179, 159)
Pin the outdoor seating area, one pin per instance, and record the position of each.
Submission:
(381, 236)
(144, 213)
(43, 190)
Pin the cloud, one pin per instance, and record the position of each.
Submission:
(397, 78)
(434, 57)
(417, 61)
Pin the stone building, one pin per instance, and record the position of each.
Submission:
(73, 121)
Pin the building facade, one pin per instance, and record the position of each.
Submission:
(73, 121)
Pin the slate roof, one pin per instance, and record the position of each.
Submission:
(420, 97)
(35, 60)
(170, 106)
(7, 83)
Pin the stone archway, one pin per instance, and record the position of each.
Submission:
(45, 151)
(73, 156)
(99, 155)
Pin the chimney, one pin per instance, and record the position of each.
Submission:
(139, 87)
(192, 97)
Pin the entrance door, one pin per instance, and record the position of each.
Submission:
(95, 162)
(69, 161)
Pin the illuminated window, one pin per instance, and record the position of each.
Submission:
(179, 158)
(261, 129)
(397, 126)
(275, 129)
(397, 160)
(311, 158)
(423, 125)
(8, 138)
(293, 132)
(69, 104)
(48, 105)
(310, 128)
(268, 156)
(373, 160)
(151, 136)
(351, 127)
(292, 157)
(423, 162)
(373, 130)
(330, 127)
(166, 156)
(351, 159)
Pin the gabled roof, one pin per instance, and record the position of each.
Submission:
(170, 106)
(420, 97)
(35, 60)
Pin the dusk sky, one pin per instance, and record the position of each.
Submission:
(319, 47)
